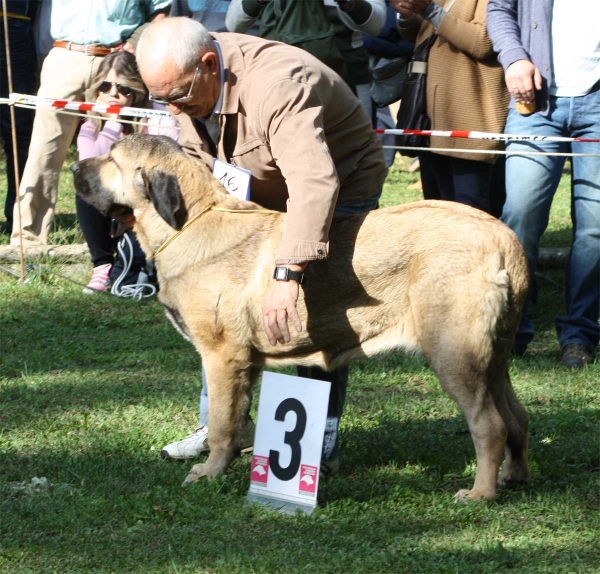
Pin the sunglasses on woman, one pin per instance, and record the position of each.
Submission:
(106, 87)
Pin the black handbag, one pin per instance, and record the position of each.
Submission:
(387, 79)
(412, 114)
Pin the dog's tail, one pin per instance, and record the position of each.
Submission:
(507, 278)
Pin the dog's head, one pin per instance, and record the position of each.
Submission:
(139, 169)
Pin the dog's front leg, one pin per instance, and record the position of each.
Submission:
(229, 394)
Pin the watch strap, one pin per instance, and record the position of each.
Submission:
(286, 274)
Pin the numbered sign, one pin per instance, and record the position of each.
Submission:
(288, 442)
(235, 180)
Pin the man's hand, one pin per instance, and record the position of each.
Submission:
(279, 305)
(125, 221)
(521, 79)
(345, 5)
(128, 47)
(408, 7)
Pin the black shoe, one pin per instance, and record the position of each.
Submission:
(576, 356)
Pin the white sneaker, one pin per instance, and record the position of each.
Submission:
(197, 443)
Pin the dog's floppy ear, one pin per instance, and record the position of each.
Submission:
(163, 190)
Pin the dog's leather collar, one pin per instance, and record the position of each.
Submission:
(210, 208)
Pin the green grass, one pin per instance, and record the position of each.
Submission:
(91, 388)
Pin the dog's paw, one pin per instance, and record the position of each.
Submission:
(198, 470)
(513, 476)
(465, 496)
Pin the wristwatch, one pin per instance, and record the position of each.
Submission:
(286, 274)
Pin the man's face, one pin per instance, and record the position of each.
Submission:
(194, 93)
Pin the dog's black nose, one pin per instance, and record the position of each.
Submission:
(75, 167)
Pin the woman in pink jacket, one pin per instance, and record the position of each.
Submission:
(118, 83)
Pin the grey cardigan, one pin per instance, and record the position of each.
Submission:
(522, 30)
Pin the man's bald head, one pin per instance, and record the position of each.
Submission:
(173, 42)
(179, 64)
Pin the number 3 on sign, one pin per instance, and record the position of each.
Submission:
(289, 438)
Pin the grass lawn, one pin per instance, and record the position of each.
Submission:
(91, 388)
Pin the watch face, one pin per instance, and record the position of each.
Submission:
(281, 274)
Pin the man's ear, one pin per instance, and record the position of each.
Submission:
(163, 190)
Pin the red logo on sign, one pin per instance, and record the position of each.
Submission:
(308, 479)
(260, 470)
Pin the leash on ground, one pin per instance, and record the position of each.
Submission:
(136, 291)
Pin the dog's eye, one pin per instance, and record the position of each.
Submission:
(109, 158)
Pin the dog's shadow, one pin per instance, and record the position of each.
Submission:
(418, 457)
(336, 335)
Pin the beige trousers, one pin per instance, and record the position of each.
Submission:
(65, 75)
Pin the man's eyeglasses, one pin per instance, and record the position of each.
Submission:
(106, 87)
(182, 99)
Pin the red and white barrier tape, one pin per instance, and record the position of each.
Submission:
(75, 106)
(467, 134)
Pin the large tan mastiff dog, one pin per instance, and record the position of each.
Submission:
(429, 277)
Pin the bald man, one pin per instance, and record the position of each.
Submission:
(281, 114)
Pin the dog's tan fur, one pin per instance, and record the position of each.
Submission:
(436, 278)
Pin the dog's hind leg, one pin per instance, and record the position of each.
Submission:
(230, 377)
(515, 469)
(488, 433)
(466, 381)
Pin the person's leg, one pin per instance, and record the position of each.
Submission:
(196, 443)
(429, 182)
(472, 180)
(531, 182)
(385, 121)
(364, 96)
(65, 74)
(580, 324)
(23, 60)
(96, 230)
(440, 167)
(498, 187)
(337, 397)
(203, 408)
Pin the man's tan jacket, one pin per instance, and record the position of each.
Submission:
(301, 132)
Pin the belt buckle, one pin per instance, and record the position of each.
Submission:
(86, 50)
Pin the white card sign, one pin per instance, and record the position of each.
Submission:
(288, 441)
(235, 180)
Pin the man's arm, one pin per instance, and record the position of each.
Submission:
(242, 14)
(158, 10)
(520, 74)
(366, 16)
(291, 119)
(505, 33)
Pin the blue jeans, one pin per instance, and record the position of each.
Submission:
(338, 378)
(531, 182)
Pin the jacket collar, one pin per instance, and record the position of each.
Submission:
(235, 69)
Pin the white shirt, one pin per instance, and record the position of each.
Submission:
(575, 47)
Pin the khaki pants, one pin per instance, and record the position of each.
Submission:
(65, 75)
